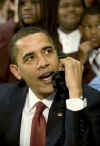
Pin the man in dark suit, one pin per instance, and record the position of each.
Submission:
(70, 119)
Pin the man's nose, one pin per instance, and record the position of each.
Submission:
(71, 8)
(93, 30)
(28, 5)
(42, 62)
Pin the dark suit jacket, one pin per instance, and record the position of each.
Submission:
(63, 130)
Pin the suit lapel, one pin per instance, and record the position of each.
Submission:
(55, 124)
(17, 102)
(21, 102)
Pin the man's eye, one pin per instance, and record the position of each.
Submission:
(48, 50)
(98, 26)
(28, 59)
(86, 27)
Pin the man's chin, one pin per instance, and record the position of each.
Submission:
(47, 91)
(28, 21)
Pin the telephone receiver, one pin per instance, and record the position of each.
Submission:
(60, 85)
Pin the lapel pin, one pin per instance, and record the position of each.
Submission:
(60, 114)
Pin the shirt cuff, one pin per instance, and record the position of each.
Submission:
(76, 104)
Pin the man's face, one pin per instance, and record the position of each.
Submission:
(91, 29)
(30, 11)
(69, 14)
(37, 61)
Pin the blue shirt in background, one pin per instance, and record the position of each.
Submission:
(95, 83)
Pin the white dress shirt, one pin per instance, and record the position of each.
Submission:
(29, 111)
(70, 41)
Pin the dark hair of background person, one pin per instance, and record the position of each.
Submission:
(2, 2)
(49, 18)
(97, 2)
(92, 10)
(50, 15)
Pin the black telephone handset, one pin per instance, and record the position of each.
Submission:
(60, 85)
(62, 94)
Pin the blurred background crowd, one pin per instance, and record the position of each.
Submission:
(73, 24)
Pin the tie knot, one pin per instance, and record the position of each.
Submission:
(40, 107)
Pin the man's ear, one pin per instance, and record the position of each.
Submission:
(15, 71)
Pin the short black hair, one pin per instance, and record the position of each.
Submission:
(92, 11)
(13, 50)
(2, 2)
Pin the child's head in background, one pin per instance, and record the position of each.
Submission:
(90, 26)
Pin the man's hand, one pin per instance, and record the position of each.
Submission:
(84, 50)
(73, 76)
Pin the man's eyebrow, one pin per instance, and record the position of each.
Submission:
(46, 47)
(27, 55)
(31, 53)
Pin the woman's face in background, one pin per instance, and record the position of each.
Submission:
(69, 14)
(30, 11)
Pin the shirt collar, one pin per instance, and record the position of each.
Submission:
(70, 41)
(32, 99)
(73, 33)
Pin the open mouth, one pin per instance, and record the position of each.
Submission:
(46, 77)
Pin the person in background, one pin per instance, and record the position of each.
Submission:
(63, 20)
(12, 9)
(34, 63)
(90, 30)
(7, 28)
(69, 16)
(95, 83)
(29, 12)
(2, 11)
(95, 62)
